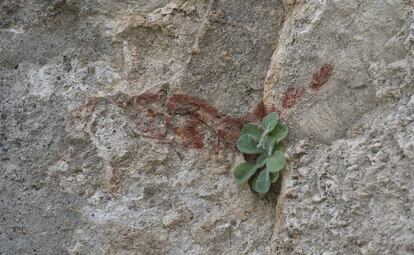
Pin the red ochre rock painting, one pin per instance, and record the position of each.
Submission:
(321, 77)
(291, 96)
(187, 118)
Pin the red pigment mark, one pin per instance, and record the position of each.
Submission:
(230, 129)
(151, 113)
(186, 118)
(231, 126)
(259, 112)
(321, 77)
(197, 111)
(292, 96)
(222, 134)
(201, 113)
(228, 137)
(190, 134)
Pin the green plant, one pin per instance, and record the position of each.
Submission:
(264, 142)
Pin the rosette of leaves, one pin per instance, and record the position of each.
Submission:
(264, 142)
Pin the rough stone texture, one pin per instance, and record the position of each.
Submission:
(356, 195)
(118, 121)
(342, 75)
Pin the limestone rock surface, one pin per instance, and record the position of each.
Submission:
(118, 121)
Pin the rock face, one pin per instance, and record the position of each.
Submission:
(118, 122)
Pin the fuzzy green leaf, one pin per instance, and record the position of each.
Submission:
(247, 144)
(261, 183)
(279, 132)
(251, 130)
(261, 161)
(276, 162)
(269, 122)
(274, 177)
(244, 171)
(269, 144)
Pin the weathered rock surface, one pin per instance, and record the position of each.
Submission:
(118, 121)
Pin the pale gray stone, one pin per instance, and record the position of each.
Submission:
(117, 120)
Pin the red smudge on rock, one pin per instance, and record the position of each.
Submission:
(229, 130)
(259, 112)
(151, 113)
(200, 113)
(291, 96)
(187, 119)
(190, 133)
(321, 77)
